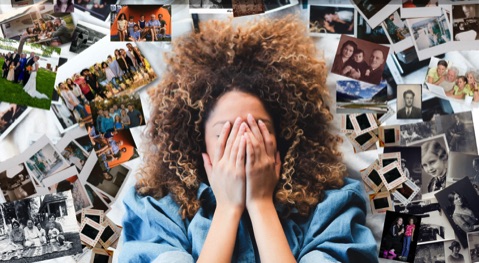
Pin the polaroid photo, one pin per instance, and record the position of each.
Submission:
(431, 35)
(407, 192)
(65, 120)
(359, 59)
(99, 255)
(381, 202)
(394, 223)
(108, 181)
(397, 32)
(389, 135)
(459, 203)
(424, 252)
(465, 26)
(111, 233)
(15, 181)
(57, 223)
(115, 148)
(473, 246)
(100, 11)
(10, 116)
(392, 175)
(81, 200)
(364, 142)
(363, 123)
(330, 19)
(435, 107)
(462, 165)
(75, 154)
(90, 232)
(346, 125)
(387, 158)
(247, 7)
(410, 163)
(454, 252)
(459, 130)
(44, 160)
(17, 3)
(85, 35)
(98, 202)
(108, 200)
(371, 176)
(413, 9)
(94, 214)
(365, 32)
(375, 11)
(153, 23)
(413, 132)
(354, 96)
(409, 99)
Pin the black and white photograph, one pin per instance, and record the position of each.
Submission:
(420, 8)
(353, 96)
(465, 24)
(410, 163)
(331, 20)
(108, 181)
(364, 142)
(434, 163)
(459, 130)
(459, 202)
(365, 32)
(463, 165)
(431, 35)
(473, 248)
(359, 59)
(10, 116)
(375, 11)
(16, 183)
(417, 131)
(80, 198)
(430, 252)
(435, 107)
(392, 175)
(99, 9)
(381, 202)
(400, 236)
(409, 98)
(85, 35)
(389, 135)
(454, 252)
(397, 32)
(64, 119)
(40, 228)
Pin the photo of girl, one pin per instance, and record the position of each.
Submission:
(434, 162)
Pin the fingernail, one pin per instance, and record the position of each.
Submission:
(250, 117)
(227, 124)
(260, 122)
(238, 119)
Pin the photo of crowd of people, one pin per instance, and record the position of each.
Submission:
(140, 23)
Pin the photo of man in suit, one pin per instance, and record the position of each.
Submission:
(409, 111)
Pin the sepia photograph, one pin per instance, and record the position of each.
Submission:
(16, 183)
(331, 20)
(473, 248)
(409, 99)
(465, 23)
(463, 165)
(417, 131)
(431, 252)
(459, 130)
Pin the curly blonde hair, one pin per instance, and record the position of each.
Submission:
(274, 60)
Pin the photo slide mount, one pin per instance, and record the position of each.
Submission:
(381, 202)
(387, 158)
(406, 197)
(111, 233)
(100, 255)
(92, 214)
(88, 225)
(389, 135)
(346, 124)
(363, 119)
(371, 176)
(394, 167)
(364, 142)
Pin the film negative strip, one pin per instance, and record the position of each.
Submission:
(100, 255)
(392, 175)
(346, 124)
(389, 135)
(381, 202)
(363, 123)
(110, 234)
(93, 214)
(362, 142)
(387, 158)
(371, 176)
(407, 192)
(90, 232)
(247, 7)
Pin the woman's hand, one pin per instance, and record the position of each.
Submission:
(262, 164)
(226, 172)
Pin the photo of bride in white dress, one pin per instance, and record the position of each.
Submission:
(31, 86)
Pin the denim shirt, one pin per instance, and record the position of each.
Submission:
(153, 230)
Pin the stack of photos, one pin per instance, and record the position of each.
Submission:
(39, 228)
(331, 19)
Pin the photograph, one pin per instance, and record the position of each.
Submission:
(410, 163)
(435, 107)
(16, 183)
(431, 35)
(63, 6)
(473, 242)
(409, 98)
(113, 147)
(454, 252)
(465, 22)
(359, 59)
(80, 197)
(226, 7)
(331, 20)
(75, 155)
(85, 35)
(139, 23)
(28, 73)
(97, 202)
(397, 32)
(354, 96)
(99, 8)
(374, 11)
(108, 181)
(10, 116)
(420, 8)
(39, 228)
(365, 32)
(463, 165)
(64, 118)
(459, 131)
(430, 253)
(416, 132)
(247, 7)
(37, 24)
(17, 3)
(400, 236)
(458, 201)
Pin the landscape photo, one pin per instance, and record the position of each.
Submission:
(354, 96)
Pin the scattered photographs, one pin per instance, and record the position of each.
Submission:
(80, 197)
(409, 97)
(465, 21)
(374, 11)
(463, 165)
(473, 246)
(225, 7)
(85, 35)
(392, 175)
(381, 202)
(458, 201)
(432, 35)
(90, 232)
(16, 183)
(363, 123)
(25, 86)
(454, 252)
(64, 118)
(153, 23)
(10, 116)
(435, 107)
(51, 214)
(115, 147)
(364, 142)
(331, 19)
(417, 131)
(389, 135)
(38, 24)
(360, 60)
(97, 9)
(365, 32)
(459, 130)
(400, 236)
(397, 32)
(423, 8)
(354, 96)
(109, 181)
(371, 176)
(100, 255)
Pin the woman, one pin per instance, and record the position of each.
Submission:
(463, 215)
(118, 125)
(130, 25)
(125, 119)
(31, 86)
(347, 50)
(107, 122)
(23, 62)
(455, 257)
(72, 102)
(76, 90)
(461, 89)
(64, 6)
(43, 236)
(472, 83)
(434, 162)
(110, 76)
(437, 75)
(17, 236)
(142, 22)
(121, 26)
(85, 88)
(6, 64)
(392, 241)
(254, 137)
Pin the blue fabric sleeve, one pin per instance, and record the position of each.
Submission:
(336, 232)
(153, 231)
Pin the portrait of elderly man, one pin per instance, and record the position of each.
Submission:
(376, 67)
(450, 79)
(409, 111)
